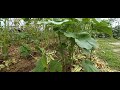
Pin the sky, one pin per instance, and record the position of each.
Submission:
(114, 23)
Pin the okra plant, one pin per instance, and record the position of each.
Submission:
(25, 51)
(5, 39)
(77, 32)
(70, 32)
(45, 65)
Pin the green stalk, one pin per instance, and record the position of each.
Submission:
(71, 50)
(91, 54)
(5, 41)
(61, 52)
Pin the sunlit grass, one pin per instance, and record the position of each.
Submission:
(106, 53)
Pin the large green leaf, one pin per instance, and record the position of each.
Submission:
(94, 21)
(26, 19)
(89, 66)
(58, 23)
(86, 20)
(44, 60)
(55, 66)
(83, 44)
(85, 41)
(41, 65)
(104, 27)
(70, 34)
(25, 50)
(43, 22)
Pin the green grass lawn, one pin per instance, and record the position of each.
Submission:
(107, 54)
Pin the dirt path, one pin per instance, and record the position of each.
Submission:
(116, 43)
(116, 47)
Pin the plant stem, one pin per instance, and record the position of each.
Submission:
(61, 52)
(91, 54)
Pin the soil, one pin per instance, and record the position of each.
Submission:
(27, 65)
(21, 66)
